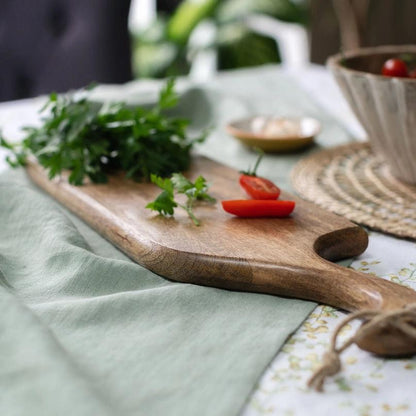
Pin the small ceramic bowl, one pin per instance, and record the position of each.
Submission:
(385, 106)
(275, 134)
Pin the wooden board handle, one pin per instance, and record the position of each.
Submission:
(325, 282)
(335, 285)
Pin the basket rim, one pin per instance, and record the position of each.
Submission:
(334, 62)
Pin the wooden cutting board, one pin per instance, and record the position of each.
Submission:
(289, 257)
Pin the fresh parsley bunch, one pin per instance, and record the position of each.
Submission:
(91, 140)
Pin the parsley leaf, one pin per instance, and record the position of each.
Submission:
(194, 191)
(167, 97)
(164, 202)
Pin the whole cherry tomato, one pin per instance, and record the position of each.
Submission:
(259, 188)
(394, 67)
(258, 208)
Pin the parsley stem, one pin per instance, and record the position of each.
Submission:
(190, 214)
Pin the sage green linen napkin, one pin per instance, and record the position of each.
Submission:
(85, 331)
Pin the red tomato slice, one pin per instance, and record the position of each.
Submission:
(259, 188)
(258, 208)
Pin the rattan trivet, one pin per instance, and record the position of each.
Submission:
(353, 182)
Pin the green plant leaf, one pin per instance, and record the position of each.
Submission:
(187, 16)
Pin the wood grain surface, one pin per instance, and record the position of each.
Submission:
(289, 257)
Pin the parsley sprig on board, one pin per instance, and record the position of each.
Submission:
(165, 202)
(93, 140)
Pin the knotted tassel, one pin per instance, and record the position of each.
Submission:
(402, 320)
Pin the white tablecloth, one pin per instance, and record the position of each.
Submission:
(368, 385)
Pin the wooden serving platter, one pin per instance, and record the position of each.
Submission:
(289, 257)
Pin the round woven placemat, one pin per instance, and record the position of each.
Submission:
(353, 182)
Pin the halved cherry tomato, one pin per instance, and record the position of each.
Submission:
(394, 68)
(259, 188)
(258, 208)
